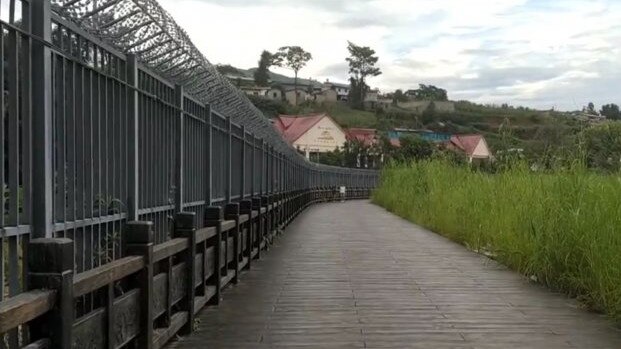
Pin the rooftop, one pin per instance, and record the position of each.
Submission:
(292, 127)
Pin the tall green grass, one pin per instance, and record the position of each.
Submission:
(563, 227)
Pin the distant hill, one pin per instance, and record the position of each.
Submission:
(248, 75)
(519, 127)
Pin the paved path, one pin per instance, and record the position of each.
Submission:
(351, 275)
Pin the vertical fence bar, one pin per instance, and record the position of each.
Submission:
(133, 168)
(227, 159)
(179, 148)
(242, 191)
(42, 120)
(208, 155)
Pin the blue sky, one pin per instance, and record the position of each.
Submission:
(537, 53)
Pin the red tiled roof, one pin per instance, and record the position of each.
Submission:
(466, 143)
(292, 127)
(366, 136)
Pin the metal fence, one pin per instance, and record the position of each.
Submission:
(110, 114)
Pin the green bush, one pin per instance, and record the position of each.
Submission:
(564, 227)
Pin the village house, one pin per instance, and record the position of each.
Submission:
(366, 136)
(325, 96)
(473, 146)
(290, 92)
(371, 98)
(255, 90)
(369, 138)
(342, 90)
(384, 102)
(310, 134)
(275, 94)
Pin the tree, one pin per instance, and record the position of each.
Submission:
(611, 111)
(429, 114)
(399, 96)
(590, 109)
(362, 61)
(429, 93)
(414, 148)
(262, 74)
(294, 58)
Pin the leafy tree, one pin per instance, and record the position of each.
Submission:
(590, 109)
(333, 158)
(262, 74)
(294, 58)
(414, 148)
(270, 107)
(611, 111)
(362, 61)
(399, 96)
(429, 114)
(429, 93)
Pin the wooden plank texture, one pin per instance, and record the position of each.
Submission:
(351, 275)
(25, 307)
(93, 279)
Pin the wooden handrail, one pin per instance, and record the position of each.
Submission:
(25, 307)
(191, 281)
(96, 278)
(169, 248)
(228, 225)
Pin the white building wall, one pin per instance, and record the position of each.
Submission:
(325, 136)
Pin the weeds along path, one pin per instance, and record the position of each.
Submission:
(562, 229)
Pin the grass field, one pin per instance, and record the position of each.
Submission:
(563, 228)
(347, 117)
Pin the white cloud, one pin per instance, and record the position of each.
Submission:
(540, 53)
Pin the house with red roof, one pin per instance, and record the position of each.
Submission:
(366, 136)
(311, 134)
(473, 146)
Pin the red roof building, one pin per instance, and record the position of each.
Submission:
(366, 136)
(474, 146)
(313, 133)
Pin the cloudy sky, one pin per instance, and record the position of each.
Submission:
(537, 53)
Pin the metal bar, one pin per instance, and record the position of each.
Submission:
(228, 160)
(179, 151)
(42, 121)
(209, 154)
(133, 111)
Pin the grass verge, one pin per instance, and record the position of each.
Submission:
(563, 227)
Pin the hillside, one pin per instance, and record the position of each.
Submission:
(532, 130)
(503, 126)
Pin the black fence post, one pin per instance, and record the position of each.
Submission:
(258, 236)
(227, 158)
(179, 151)
(209, 155)
(185, 227)
(42, 122)
(245, 207)
(50, 265)
(138, 241)
(214, 218)
(231, 212)
(133, 168)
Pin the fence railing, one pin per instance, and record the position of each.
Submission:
(152, 292)
(130, 190)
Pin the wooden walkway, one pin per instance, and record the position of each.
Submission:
(351, 275)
